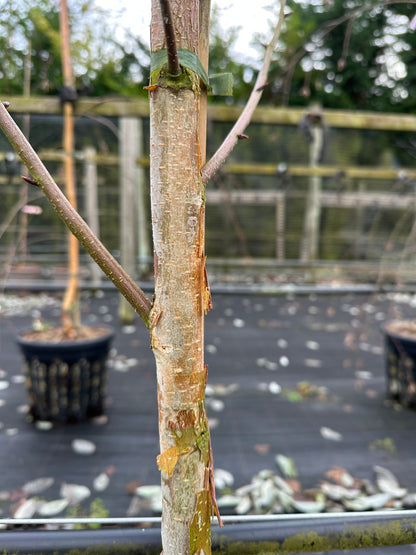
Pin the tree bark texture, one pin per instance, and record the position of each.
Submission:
(181, 295)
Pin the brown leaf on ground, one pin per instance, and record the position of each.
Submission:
(262, 448)
(131, 487)
(340, 476)
(295, 485)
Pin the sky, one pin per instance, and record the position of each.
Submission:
(250, 15)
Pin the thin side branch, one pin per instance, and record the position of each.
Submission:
(345, 46)
(171, 48)
(218, 159)
(109, 265)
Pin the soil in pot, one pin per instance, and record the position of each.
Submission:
(66, 378)
(400, 352)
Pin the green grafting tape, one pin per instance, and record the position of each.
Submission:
(219, 84)
(186, 58)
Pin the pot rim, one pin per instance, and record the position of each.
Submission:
(67, 343)
(386, 331)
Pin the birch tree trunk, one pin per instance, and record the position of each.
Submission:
(181, 292)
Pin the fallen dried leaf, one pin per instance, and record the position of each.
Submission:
(331, 435)
(34, 487)
(74, 493)
(52, 508)
(262, 448)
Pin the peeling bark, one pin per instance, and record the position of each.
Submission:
(177, 334)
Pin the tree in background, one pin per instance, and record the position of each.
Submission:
(102, 64)
(355, 55)
(346, 55)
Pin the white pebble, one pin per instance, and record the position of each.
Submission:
(332, 435)
(101, 482)
(274, 388)
(83, 446)
(270, 365)
(215, 404)
(284, 361)
(44, 425)
(312, 345)
(313, 363)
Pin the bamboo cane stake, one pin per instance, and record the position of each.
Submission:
(70, 305)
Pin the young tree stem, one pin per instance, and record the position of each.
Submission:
(171, 48)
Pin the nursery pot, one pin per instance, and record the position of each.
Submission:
(66, 380)
(400, 359)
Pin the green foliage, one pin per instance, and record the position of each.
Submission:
(96, 510)
(386, 444)
(355, 55)
(30, 38)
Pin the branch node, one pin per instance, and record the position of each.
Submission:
(29, 180)
(6, 104)
(262, 87)
(242, 136)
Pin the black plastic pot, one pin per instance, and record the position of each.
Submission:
(400, 360)
(66, 381)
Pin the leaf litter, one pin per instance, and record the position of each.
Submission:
(270, 493)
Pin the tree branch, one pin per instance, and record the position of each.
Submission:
(109, 265)
(171, 48)
(239, 127)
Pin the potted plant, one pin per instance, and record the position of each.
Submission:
(400, 360)
(65, 366)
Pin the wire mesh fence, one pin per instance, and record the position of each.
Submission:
(326, 201)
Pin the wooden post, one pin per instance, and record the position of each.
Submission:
(91, 205)
(280, 226)
(310, 242)
(128, 140)
(359, 225)
(22, 239)
(143, 218)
